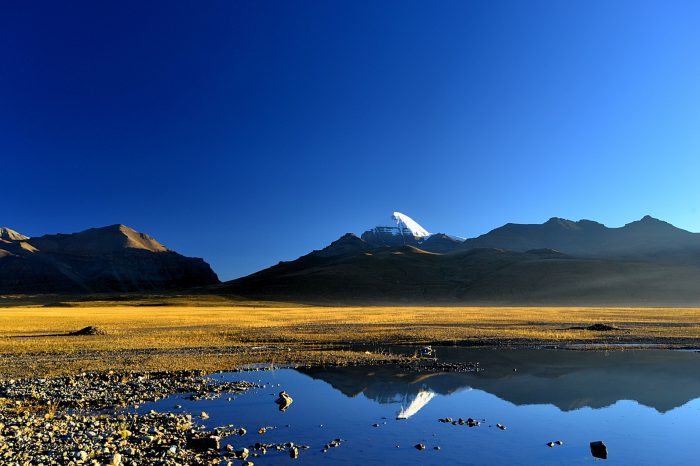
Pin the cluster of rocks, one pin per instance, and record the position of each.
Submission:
(44, 437)
(108, 390)
(260, 448)
(430, 365)
(335, 443)
(470, 422)
(76, 420)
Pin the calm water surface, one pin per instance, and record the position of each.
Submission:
(644, 404)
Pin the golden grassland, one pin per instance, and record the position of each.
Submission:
(216, 333)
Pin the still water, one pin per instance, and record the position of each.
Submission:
(644, 404)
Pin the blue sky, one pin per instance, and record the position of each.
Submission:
(250, 132)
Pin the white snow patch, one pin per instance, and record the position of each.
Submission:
(407, 222)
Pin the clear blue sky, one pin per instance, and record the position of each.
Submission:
(248, 132)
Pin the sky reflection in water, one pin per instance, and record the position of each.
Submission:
(643, 404)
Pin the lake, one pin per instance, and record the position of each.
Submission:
(643, 404)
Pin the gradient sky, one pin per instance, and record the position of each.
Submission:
(248, 132)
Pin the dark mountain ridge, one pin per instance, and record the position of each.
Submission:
(560, 262)
(112, 258)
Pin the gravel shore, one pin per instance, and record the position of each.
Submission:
(76, 420)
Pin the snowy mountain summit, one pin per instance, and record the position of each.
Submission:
(402, 230)
(407, 226)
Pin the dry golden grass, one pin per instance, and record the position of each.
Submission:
(210, 333)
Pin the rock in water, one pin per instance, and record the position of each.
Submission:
(203, 444)
(599, 450)
(284, 400)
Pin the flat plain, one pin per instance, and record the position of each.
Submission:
(215, 333)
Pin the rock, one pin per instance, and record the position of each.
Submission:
(203, 444)
(294, 452)
(89, 330)
(419, 446)
(501, 426)
(596, 327)
(284, 400)
(559, 442)
(550, 444)
(204, 415)
(116, 460)
(599, 450)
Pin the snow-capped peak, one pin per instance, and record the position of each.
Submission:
(406, 222)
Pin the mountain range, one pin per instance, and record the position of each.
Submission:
(559, 262)
(647, 262)
(110, 259)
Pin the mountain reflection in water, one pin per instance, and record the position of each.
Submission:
(660, 379)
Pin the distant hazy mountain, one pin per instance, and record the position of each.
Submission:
(113, 258)
(645, 239)
(648, 262)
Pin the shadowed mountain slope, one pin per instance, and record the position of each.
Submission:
(113, 258)
(648, 262)
(479, 276)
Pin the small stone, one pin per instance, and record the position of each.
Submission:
(599, 450)
(284, 400)
(203, 444)
(419, 446)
